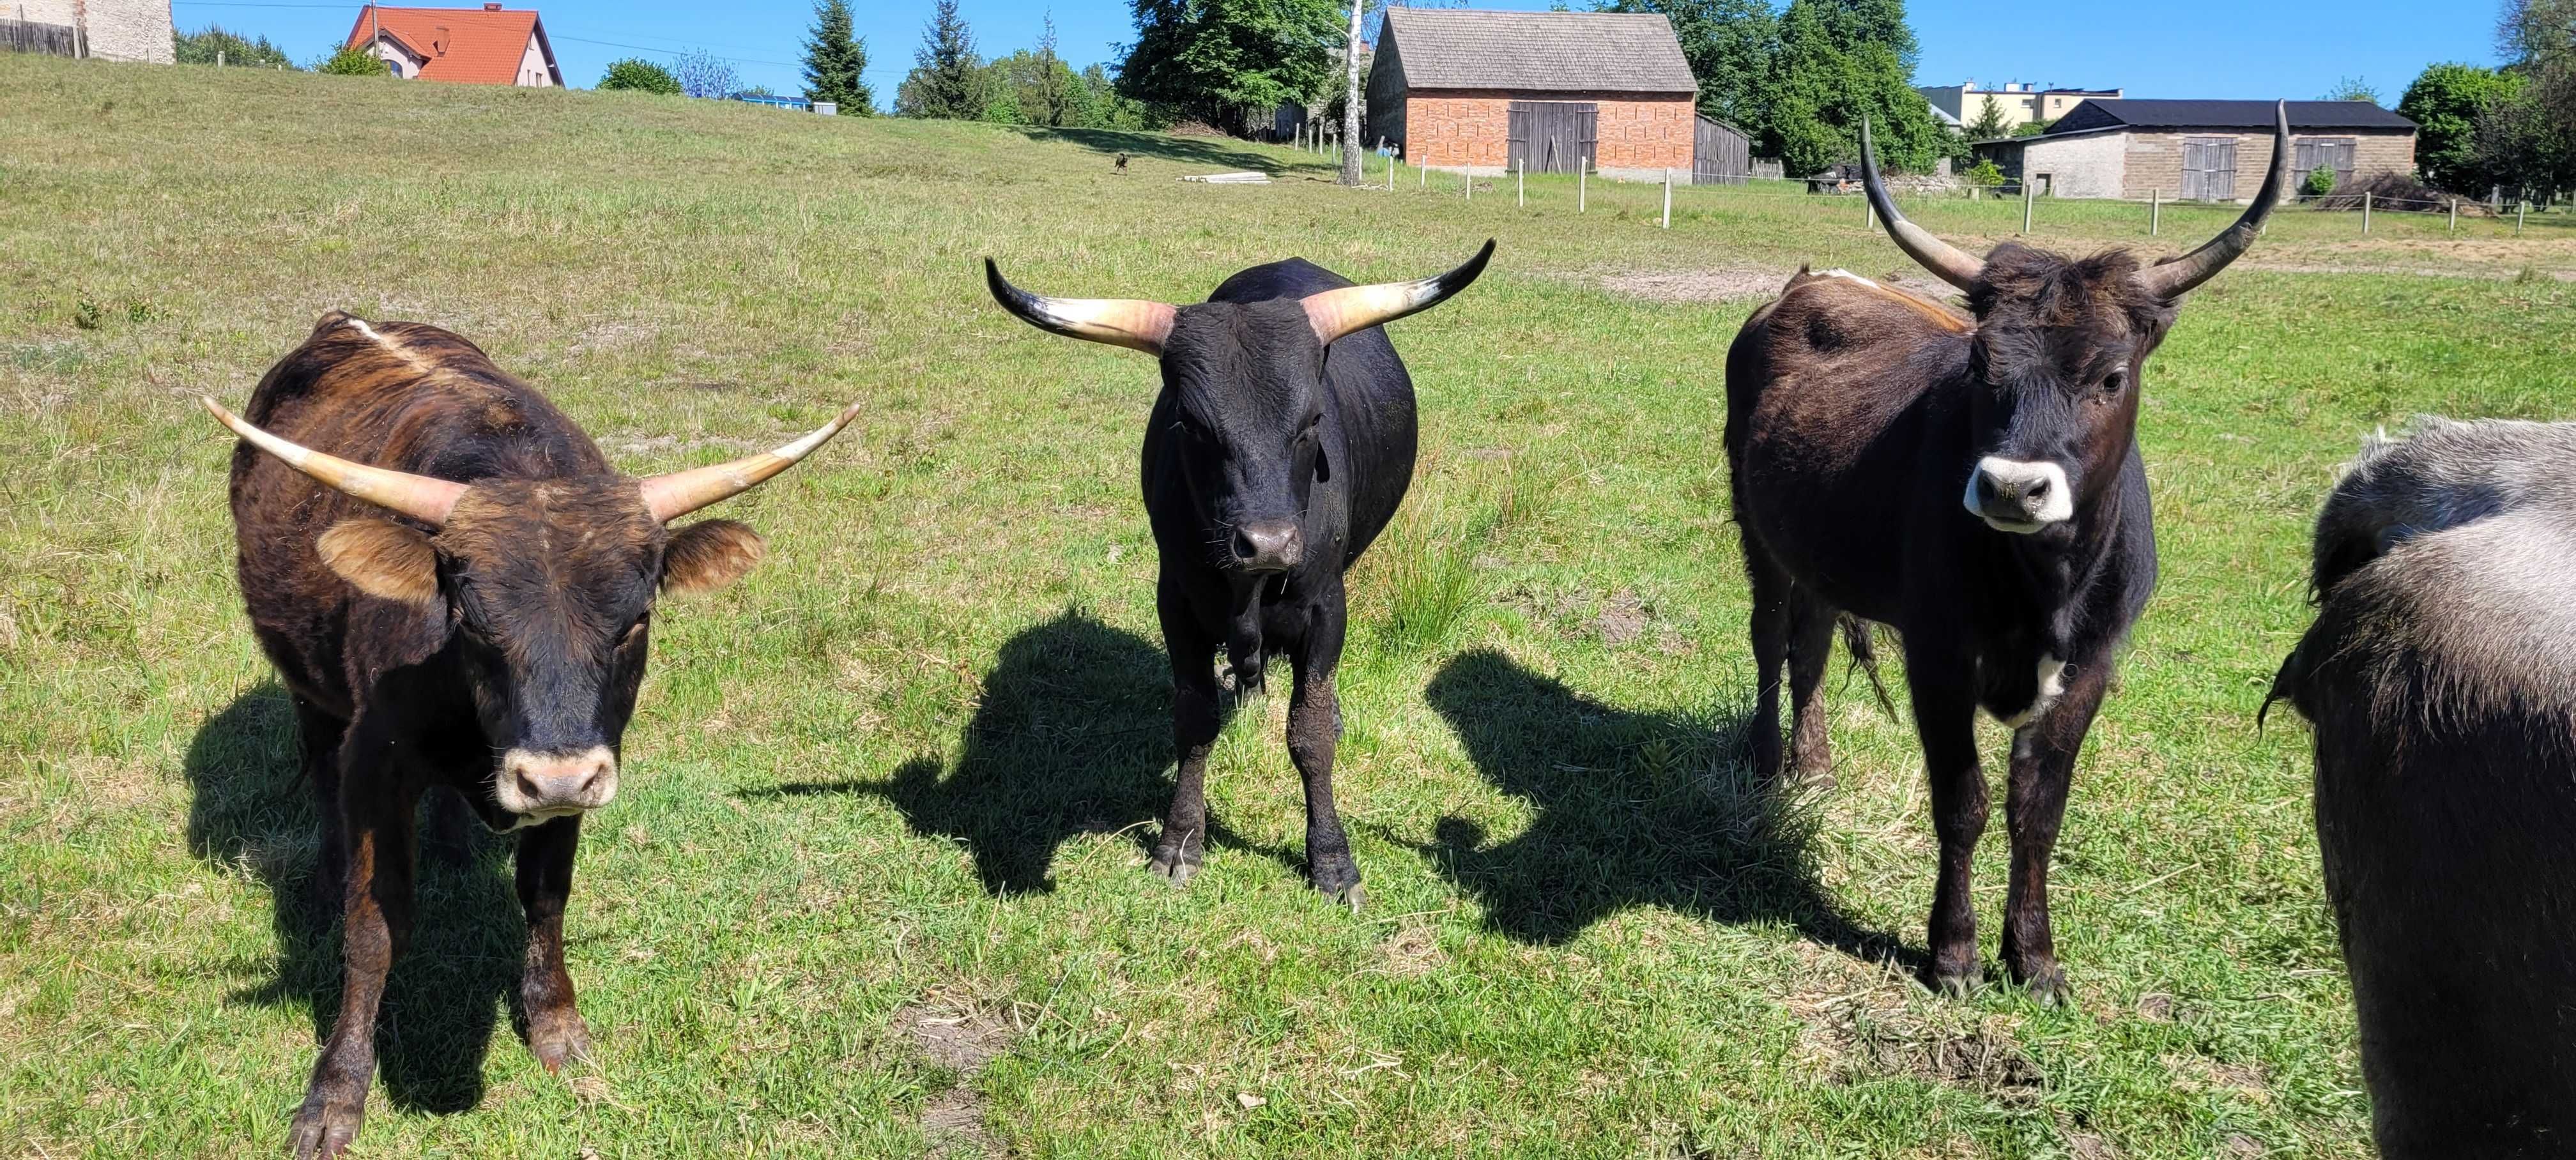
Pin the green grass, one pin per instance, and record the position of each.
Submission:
(878, 864)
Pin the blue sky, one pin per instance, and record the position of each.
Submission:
(2170, 48)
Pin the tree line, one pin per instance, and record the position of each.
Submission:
(2509, 129)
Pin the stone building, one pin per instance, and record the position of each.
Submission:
(2200, 150)
(134, 30)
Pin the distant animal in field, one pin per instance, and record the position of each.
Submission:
(1974, 482)
(1280, 445)
(1121, 168)
(2440, 677)
(456, 589)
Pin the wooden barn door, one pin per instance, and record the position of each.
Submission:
(1552, 136)
(2209, 168)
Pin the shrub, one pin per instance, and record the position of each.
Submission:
(1985, 174)
(2320, 182)
(639, 76)
(201, 47)
(353, 61)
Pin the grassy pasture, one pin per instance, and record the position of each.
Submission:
(875, 883)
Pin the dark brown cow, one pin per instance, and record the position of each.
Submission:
(2441, 678)
(1973, 482)
(454, 585)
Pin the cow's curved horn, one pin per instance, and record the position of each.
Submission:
(421, 497)
(2176, 277)
(1334, 313)
(1955, 266)
(1133, 323)
(677, 494)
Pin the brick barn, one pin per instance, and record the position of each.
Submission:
(2201, 150)
(1462, 89)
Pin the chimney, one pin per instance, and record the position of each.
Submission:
(491, 7)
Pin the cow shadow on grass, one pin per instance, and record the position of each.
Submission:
(1632, 809)
(1072, 736)
(1224, 152)
(251, 809)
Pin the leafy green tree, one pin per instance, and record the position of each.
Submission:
(2529, 140)
(200, 47)
(834, 60)
(1988, 123)
(1229, 61)
(1841, 60)
(353, 61)
(2352, 89)
(1730, 45)
(2445, 103)
(705, 75)
(637, 75)
(2033, 128)
(1048, 97)
(1095, 103)
(947, 78)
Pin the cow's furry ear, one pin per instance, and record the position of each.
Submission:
(708, 555)
(383, 559)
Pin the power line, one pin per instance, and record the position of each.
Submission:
(669, 51)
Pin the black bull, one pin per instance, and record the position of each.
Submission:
(1280, 445)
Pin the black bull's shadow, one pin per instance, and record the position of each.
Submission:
(251, 808)
(1073, 736)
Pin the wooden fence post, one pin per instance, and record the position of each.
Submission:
(1668, 199)
(2454, 227)
(2520, 208)
(2365, 211)
(1582, 170)
(2155, 212)
(1467, 178)
(2025, 205)
(1520, 175)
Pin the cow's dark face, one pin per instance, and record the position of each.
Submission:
(548, 590)
(2057, 354)
(1247, 384)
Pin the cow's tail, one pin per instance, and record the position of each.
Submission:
(1864, 657)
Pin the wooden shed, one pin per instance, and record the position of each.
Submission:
(1483, 91)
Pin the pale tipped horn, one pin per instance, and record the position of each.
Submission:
(677, 494)
(421, 497)
(2176, 277)
(1133, 323)
(1954, 265)
(1335, 313)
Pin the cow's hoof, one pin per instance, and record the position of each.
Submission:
(1957, 980)
(558, 1037)
(1175, 863)
(2048, 986)
(1339, 882)
(325, 1127)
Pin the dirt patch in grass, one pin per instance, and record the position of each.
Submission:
(962, 1042)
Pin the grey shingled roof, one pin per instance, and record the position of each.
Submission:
(2254, 115)
(1538, 51)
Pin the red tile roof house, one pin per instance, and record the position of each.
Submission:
(490, 45)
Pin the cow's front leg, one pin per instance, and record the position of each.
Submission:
(1314, 731)
(555, 1030)
(375, 926)
(1183, 844)
(1941, 678)
(2043, 765)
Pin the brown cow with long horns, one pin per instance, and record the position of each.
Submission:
(1973, 482)
(455, 586)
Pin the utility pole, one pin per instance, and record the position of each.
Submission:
(1351, 165)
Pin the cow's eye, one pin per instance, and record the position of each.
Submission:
(2113, 383)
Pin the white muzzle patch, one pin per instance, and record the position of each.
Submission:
(540, 787)
(2016, 496)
